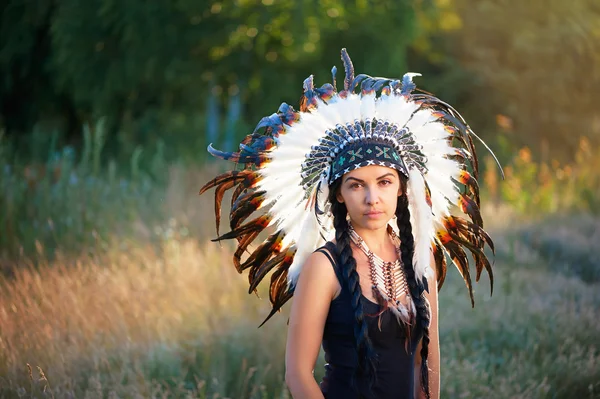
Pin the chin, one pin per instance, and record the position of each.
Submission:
(369, 224)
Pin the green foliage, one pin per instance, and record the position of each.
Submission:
(70, 204)
(149, 68)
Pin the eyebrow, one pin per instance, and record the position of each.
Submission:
(362, 181)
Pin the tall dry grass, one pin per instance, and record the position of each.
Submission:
(162, 313)
(179, 323)
(134, 320)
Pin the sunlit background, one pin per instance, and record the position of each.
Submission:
(109, 284)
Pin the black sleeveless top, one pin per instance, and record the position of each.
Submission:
(395, 367)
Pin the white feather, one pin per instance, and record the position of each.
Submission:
(395, 109)
(422, 224)
(291, 215)
(307, 240)
(331, 114)
(442, 191)
(302, 137)
(430, 131)
(443, 166)
(283, 165)
(367, 107)
(351, 108)
(420, 118)
(436, 149)
(287, 210)
(281, 181)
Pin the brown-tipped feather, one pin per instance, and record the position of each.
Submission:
(245, 207)
(237, 176)
(269, 247)
(258, 272)
(279, 284)
(255, 225)
(243, 244)
(475, 245)
(428, 194)
(279, 293)
(474, 159)
(469, 207)
(236, 193)
(482, 262)
(467, 229)
(440, 263)
(219, 193)
(471, 184)
(282, 261)
(459, 138)
(288, 115)
(459, 258)
(474, 238)
(223, 183)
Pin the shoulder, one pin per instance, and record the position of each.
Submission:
(318, 272)
(319, 264)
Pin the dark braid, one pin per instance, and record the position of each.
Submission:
(416, 290)
(367, 356)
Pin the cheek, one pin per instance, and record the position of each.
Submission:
(392, 197)
(351, 199)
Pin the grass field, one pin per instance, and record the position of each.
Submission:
(179, 323)
(162, 313)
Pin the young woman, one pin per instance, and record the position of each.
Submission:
(331, 302)
(358, 192)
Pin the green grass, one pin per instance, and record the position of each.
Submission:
(79, 203)
(178, 323)
(114, 291)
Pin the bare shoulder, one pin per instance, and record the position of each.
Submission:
(318, 272)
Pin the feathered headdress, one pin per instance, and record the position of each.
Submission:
(291, 158)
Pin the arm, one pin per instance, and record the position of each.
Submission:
(316, 287)
(433, 358)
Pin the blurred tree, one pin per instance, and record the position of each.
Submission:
(122, 59)
(26, 90)
(537, 65)
(149, 65)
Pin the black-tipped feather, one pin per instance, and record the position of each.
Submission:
(242, 209)
(255, 225)
(269, 247)
(244, 242)
(439, 256)
(239, 189)
(460, 260)
(258, 272)
(280, 292)
(469, 207)
(223, 183)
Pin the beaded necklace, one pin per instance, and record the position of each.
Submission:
(388, 279)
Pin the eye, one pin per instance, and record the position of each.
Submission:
(385, 182)
(355, 185)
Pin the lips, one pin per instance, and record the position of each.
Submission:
(373, 213)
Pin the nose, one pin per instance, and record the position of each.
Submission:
(372, 196)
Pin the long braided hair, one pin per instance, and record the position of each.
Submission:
(367, 357)
(423, 315)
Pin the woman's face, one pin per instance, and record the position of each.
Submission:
(370, 194)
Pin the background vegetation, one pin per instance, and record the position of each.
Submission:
(108, 284)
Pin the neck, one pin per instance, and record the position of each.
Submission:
(378, 240)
